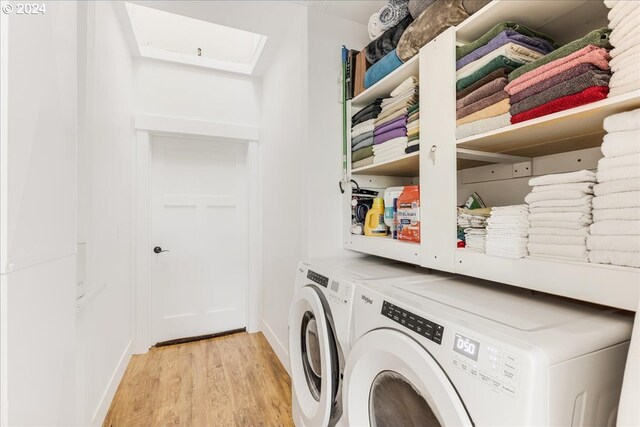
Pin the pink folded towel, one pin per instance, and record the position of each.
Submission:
(587, 55)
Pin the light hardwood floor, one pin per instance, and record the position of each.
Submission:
(235, 380)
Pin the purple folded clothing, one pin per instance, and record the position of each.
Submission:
(386, 136)
(507, 36)
(400, 122)
(552, 81)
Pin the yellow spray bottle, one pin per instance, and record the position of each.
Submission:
(374, 222)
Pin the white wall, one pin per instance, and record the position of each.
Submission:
(105, 207)
(301, 145)
(195, 93)
(38, 216)
(283, 165)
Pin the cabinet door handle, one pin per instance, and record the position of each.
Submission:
(432, 153)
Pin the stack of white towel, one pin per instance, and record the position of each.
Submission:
(473, 222)
(507, 231)
(624, 21)
(560, 215)
(615, 233)
(389, 150)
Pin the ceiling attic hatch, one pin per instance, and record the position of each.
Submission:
(176, 38)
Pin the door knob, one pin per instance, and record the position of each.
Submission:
(158, 249)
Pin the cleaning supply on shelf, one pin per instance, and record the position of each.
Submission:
(391, 196)
(374, 222)
(507, 231)
(408, 213)
(615, 232)
(560, 215)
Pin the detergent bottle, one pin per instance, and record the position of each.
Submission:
(374, 222)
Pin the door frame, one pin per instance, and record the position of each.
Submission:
(146, 127)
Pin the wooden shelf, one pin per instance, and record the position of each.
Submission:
(407, 165)
(384, 87)
(385, 247)
(568, 130)
(596, 283)
(549, 17)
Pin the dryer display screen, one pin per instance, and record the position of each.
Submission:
(466, 346)
(422, 326)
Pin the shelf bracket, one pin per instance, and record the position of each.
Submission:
(483, 156)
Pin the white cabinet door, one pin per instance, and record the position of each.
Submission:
(438, 152)
(199, 221)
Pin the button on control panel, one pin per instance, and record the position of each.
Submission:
(318, 278)
(420, 325)
(340, 292)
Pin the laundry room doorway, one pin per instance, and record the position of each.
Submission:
(199, 237)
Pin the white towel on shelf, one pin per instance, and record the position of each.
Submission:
(584, 231)
(627, 259)
(564, 178)
(511, 50)
(363, 127)
(617, 186)
(616, 162)
(581, 186)
(623, 172)
(625, 88)
(616, 144)
(627, 27)
(554, 195)
(560, 216)
(583, 201)
(509, 209)
(572, 225)
(629, 199)
(611, 3)
(615, 228)
(620, 12)
(621, 122)
(623, 77)
(408, 84)
(614, 243)
(585, 209)
(552, 239)
(388, 150)
(628, 214)
(578, 252)
(622, 58)
(482, 126)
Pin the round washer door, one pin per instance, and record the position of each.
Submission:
(391, 380)
(312, 355)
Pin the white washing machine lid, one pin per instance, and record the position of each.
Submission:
(390, 379)
(313, 358)
(512, 307)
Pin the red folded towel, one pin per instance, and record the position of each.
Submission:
(587, 96)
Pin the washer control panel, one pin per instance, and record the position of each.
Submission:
(420, 325)
(489, 364)
(318, 278)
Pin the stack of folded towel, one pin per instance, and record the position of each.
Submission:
(390, 132)
(482, 103)
(560, 215)
(507, 231)
(576, 74)
(362, 137)
(413, 129)
(473, 224)
(624, 22)
(615, 233)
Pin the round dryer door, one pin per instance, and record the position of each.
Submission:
(313, 358)
(391, 380)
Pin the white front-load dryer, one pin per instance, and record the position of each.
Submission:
(465, 352)
(320, 331)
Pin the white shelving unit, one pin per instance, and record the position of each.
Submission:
(435, 166)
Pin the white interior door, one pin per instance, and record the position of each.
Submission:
(199, 220)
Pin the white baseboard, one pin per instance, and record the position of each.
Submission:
(281, 351)
(105, 402)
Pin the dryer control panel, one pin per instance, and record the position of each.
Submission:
(420, 325)
(489, 364)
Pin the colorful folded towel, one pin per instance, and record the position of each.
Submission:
(565, 88)
(552, 81)
(482, 104)
(494, 64)
(510, 50)
(482, 126)
(381, 69)
(505, 37)
(466, 49)
(494, 75)
(400, 122)
(389, 135)
(491, 111)
(587, 55)
(599, 38)
(362, 163)
(587, 96)
(362, 153)
(489, 89)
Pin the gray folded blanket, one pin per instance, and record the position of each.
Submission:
(564, 88)
(388, 41)
(361, 138)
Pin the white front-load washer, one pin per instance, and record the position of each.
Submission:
(320, 332)
(465, 352)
